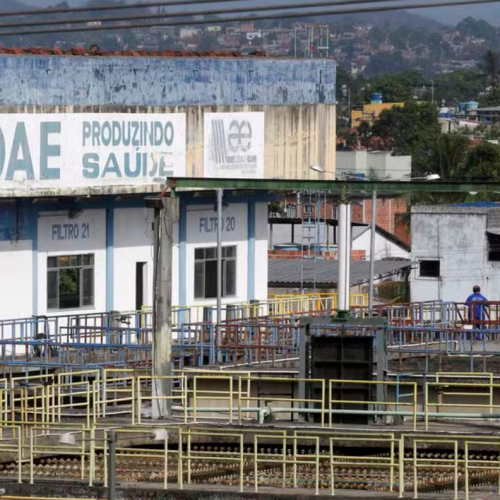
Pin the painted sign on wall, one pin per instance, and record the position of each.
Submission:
(234, 145)
(202, 223)
(75, 150)
(62, 232)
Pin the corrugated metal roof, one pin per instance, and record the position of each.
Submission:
(287, 272)
(477, 204)
(82, 51)
(490, 108)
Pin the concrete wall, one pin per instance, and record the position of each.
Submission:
(296, 96)
(16, 282)
(380, 164)
(133, 242)
(161, 81)
(455, 236)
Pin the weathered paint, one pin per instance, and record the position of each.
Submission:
(295, 137)
(456, 236)
(296, 96)
(160, 81)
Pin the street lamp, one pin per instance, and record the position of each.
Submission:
(426, 177)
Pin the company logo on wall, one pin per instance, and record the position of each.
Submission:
(234, 144)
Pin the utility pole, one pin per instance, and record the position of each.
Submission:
(112, 464)
(219, 272)
(165, 216)
(372, 253)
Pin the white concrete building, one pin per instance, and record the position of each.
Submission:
(375, 164)
(78, 157)
(94, 259)
(456, 247)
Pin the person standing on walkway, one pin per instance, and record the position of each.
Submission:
(478, 305)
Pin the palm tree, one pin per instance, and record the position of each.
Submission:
(448, 156)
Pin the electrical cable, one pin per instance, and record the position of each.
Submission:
(277, 15)
(100, 8)
(182, 14)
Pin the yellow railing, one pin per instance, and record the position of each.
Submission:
(388, 405)
(247, 459)
(234, 396)
(275, 305)
(435, 392)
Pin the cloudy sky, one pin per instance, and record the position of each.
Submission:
(447, 15)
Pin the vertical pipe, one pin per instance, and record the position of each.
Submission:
(344, 256)
(219, 270)
(372, 253)
(112, 465)
(401, 467)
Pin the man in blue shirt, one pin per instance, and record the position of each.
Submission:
(477, 312)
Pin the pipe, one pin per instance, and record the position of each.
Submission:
(263, 413)
(372, 254)
(267, 411)
(219, 272)
(343, 258)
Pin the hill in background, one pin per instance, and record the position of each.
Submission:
(6, 5)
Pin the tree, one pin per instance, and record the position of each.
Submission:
(483, 162)
(448, 156)
(396, 87)
(459, 86)
(490, 66)
(491, 98)
(413, 127)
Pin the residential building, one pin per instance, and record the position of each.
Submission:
(370, 112)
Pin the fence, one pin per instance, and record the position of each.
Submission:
(321, 461)
(227, 397)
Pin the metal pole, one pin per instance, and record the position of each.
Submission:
(372, 252)
(112, 465)
(219, 271)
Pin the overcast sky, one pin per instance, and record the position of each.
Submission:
(447, 15)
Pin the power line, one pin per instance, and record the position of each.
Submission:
(188, 13)
(277, 15)
(100, 8)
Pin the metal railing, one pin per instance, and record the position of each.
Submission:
(228, 397)
(247, 459)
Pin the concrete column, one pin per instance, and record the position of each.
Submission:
(162, 335)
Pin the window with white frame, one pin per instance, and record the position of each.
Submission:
(70, 281)
(205, 272)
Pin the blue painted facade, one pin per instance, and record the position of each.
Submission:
(159, 81)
